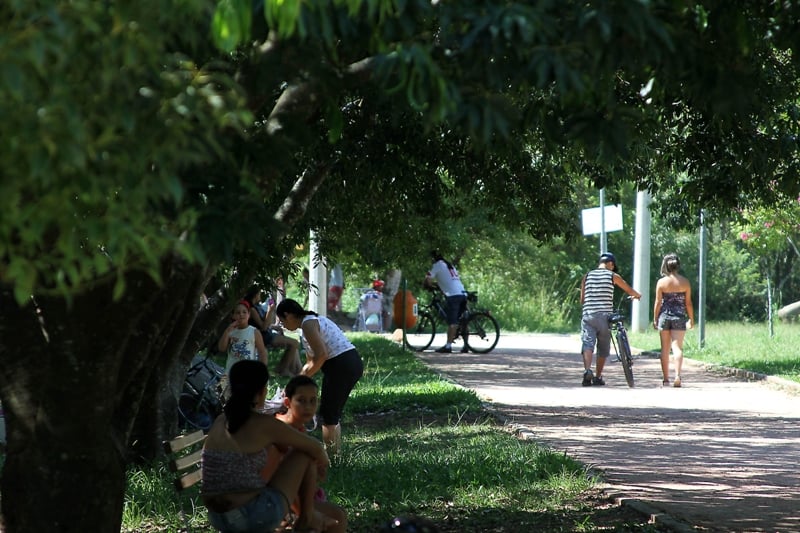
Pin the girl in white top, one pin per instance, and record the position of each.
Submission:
(240, 340)
(329, 351)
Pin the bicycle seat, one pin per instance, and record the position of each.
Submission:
(472, 296)
(616, 317)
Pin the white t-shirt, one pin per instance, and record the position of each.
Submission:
(447, 278)
(332, 336)
(243, 346)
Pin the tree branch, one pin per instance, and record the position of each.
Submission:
(296, 202)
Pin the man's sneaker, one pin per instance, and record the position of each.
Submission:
(445, 349)
(464, 349)
(598, 381)
(587, 378)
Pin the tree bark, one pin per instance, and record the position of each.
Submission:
(60, 393)
(72, 386)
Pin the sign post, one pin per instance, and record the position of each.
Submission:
(602, 220)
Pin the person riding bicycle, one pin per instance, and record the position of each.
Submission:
(597, 299)
(445, 275)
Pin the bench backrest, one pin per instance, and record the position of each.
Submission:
(184, 453)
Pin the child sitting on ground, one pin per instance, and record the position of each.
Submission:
(299, 407)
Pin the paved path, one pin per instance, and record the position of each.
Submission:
(719, 454)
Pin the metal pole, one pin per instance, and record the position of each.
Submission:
(701, 299)
(640, 310)
(402, 323)
(603, 242)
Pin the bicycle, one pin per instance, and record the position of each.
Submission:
(622, 348)
(201, 400)
(479, 330)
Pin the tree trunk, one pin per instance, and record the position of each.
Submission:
(73, 380)
(59, 388)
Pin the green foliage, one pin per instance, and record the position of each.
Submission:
(735, 286)
(102, 115)
(526, 285)
(433, 110)
(232, 23)
(770, 234)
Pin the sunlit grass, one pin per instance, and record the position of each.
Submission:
(413, 444)
(739, 345)
(151, 503)
(463, 468)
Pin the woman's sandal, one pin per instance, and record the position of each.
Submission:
(677, 382)
(665, 383)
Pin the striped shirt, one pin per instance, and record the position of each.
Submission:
(598, 292)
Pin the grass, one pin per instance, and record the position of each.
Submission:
(417, 445)
(739, 345)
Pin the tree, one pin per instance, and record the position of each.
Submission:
(140, 162)
(771, 234)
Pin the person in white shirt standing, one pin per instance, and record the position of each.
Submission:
(445, 275)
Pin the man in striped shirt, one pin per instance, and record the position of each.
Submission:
(597, 299)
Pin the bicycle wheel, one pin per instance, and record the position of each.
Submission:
(194, 412)
(420, 336)
(625, 357)
(483, 332)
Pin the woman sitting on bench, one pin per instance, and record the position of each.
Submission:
(235, 452)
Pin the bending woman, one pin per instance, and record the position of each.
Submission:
(235, 451)
(328, 350)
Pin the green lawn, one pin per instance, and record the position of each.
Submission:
(415, 444)
(739, 345)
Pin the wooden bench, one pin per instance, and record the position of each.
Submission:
(184, 453)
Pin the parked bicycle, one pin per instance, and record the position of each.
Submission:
(201, 400)
(622, 348)
(478, 329)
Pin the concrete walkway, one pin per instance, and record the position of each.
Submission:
(719, 454)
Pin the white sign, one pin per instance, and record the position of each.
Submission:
(591, 219)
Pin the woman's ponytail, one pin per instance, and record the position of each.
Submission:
(247, 378)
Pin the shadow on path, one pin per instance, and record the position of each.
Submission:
(719, 453)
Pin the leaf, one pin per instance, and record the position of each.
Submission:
(335, 123)
(283, 16)
(226, 26)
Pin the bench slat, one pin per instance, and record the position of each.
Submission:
(184, 441)
(182, 463)
(188, 480)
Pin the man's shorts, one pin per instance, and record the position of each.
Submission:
(454, 306)
(595, 330)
